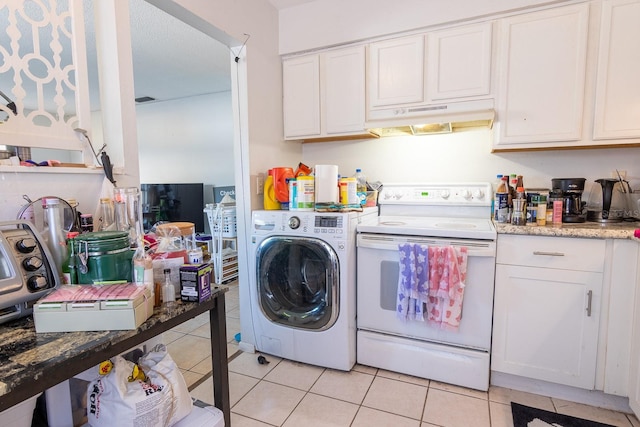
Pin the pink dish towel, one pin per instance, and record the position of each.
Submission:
(447, 275)
(413, 281)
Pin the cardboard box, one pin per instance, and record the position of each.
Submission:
(73, 308)
(195, 282)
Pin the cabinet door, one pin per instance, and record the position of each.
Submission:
(343, 90)
(459, 62)
(543, 328)
(396, 71)
(634, 377)
(542, 76)
(617, 108)
(301, 96)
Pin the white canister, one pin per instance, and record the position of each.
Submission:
(326, 184)
(305, 193)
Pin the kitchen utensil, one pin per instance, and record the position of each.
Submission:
(606, 201)
(27, 269)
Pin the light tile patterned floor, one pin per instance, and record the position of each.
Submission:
(286, 393)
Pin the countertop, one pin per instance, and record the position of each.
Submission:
(592, 230)
(31, 362)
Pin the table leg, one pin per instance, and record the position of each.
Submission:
(217, 323)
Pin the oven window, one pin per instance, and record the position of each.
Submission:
(389, 271)
(298, 282)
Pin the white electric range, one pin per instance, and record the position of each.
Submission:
(432, 214)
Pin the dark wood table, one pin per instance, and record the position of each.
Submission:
(30, 363)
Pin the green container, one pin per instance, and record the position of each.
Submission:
(104, 256)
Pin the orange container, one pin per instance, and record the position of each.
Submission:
(280, 184)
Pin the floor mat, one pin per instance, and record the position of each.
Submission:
(525, 416)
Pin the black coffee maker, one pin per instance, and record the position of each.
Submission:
(573, 208)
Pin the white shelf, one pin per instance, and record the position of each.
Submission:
(50, 170)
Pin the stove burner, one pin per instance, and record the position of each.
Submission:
(393, 223)
(455, 225)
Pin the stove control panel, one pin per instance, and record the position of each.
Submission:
(469, 194)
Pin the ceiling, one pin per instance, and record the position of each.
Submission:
(171, 59)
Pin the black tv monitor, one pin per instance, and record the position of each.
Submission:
(173, 203)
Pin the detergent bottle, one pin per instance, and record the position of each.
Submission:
(270, 202)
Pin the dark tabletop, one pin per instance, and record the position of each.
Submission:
(31, 362)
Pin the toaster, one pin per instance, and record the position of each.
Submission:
(27, 270)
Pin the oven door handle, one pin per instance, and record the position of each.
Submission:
(474, 248)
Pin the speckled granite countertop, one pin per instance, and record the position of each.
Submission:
(593, 230)
(31, 362)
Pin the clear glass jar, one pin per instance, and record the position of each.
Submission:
(128, 212)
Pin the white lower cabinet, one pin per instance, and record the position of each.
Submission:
(547, 308)
(634, 368)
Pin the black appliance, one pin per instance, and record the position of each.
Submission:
(573, 208)
(172, 203)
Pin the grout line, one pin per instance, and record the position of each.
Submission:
(210, 373)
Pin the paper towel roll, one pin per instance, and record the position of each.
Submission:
(326, 184)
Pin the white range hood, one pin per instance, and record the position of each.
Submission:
(430, 119)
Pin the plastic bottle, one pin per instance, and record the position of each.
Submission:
(361, 186)
(270, 202)
(142, 266)
(494, 210)
(502, 201)
(69, 266)
(293, 193)
(168, 291)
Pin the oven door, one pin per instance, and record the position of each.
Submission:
(377, 285)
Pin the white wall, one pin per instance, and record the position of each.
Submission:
(467, 156)
(187, 140)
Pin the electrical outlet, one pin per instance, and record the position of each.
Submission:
(260, 184)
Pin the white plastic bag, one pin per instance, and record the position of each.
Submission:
(161, 400)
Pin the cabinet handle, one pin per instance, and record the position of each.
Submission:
(548, 253)
(589, 298)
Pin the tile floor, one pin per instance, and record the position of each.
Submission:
(286, 393)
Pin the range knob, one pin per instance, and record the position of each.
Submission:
(37, 283)
(445, 194)
(26, 245)
(479, 194)
(466, 194)
(32, 263)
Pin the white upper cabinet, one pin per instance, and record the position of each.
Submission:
(542, 77)
(301, 99)
(342, 74)
(433, 68)
(459, 62)
(617, 108)
(324, 95)
(396, 72)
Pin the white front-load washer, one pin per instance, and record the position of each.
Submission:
(303, 285)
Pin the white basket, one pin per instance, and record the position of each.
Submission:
(228, 222)
(229, 227)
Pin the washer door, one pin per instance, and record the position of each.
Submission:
(298, 282)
